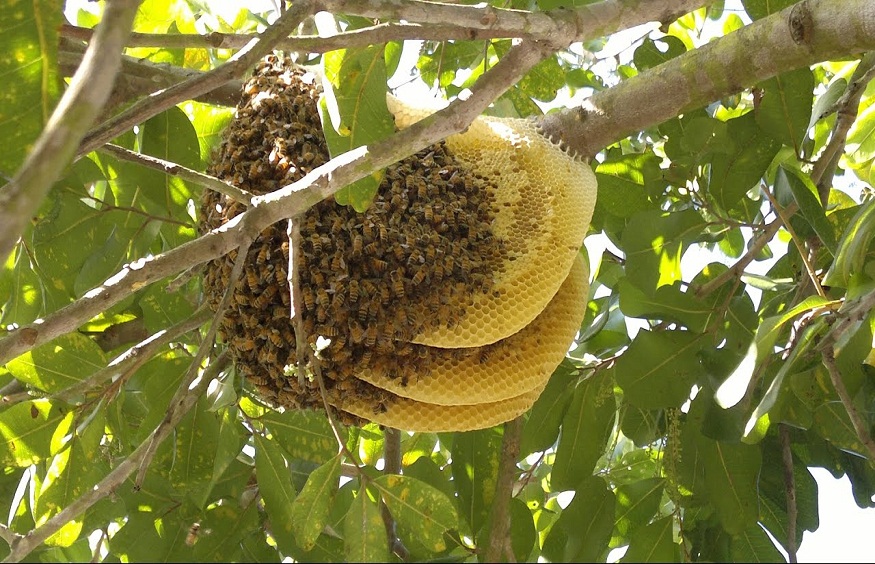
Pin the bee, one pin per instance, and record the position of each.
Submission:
(286, 297)
(368, 230)
(398, 249)
(484, 356)
(321, 314)
(396, 201)
(274, 337)
(384, 233)
(415, 256)
(328, 330)
(422, 189)
(281, 276)
(385, 294)
(419, 277)
(337, 225)
(252, 280)
(338, 264)
(429, 253)
(466, 265)
(322, 297)
(310, 223)
(371, 248)
(401, 317)
(371, 335)
(316, 242)
(244, 344)
(353, 291)
(285, 250)
(263, 255)
(366, 357)
(309, 298)
(357, 244)
(338, 300)
(398, 283)
(379, 265)
(356, 332)
(191, 537)
(428, 212)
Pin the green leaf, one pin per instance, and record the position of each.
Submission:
(358, 80)
(303, 434)
(757, 9)
(805, 193)
(659, 368)
(71, 473)
(753, 545)
(364, 532)
(32, 431)
(475, 462)
(669, 302)
(584, 528)
(853, 249)
(65, 361)
(654, 243)
(542, 427)
(161, 308)
(31, 81)
(733, 174)
(785, 108)
(310, 510)
(194, 453)
(586, 428)
(26, 300)
(221, 530)
(653, 543)
(637, 503)
(731, 473)
(421, 509)
(275, 487)
(652, 53)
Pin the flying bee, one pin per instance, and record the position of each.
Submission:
(191, 537)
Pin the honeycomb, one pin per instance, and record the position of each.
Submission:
(500, 371)
(441, 255)
(544, 206)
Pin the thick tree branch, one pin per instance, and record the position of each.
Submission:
(79, 107)
(723, 67)
(24, 545)
(234, 68)
(499, 533)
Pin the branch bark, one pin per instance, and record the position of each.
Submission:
(723, 67)
(79, 107)
(499, 533)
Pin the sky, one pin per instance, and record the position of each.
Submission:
(846, 532)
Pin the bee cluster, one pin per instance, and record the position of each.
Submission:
(370, 282)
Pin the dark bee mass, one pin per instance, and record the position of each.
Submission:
(369, 281)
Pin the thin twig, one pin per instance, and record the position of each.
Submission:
(182, 172)
(790, 491)
(507, 470)
(8, 534)
(24, 545)
(203, 350)
(860, 427)
(234, 68)
(130, 360)
(392, 465)
(800, 245)
(79, 106)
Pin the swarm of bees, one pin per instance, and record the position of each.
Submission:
(369, 282)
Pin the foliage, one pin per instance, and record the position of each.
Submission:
(671, 421)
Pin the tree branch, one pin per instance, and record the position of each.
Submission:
(77, 110)
(392, 465)
(499, 533)
(182, 172)
(24, 545)
(723, 67)
(861, 428)
(201, 84)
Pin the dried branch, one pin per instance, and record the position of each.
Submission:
(77, 110)
(790, 491)
(861, 428)
(499, 533)
(723, 67)
(846, 108)
(234, 68)
(182, 172)
(181, 405)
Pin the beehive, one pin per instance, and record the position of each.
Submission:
(429, 261)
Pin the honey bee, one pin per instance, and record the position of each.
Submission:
(371, 248)
(252, 280)
(353, 291)
(191, 537)
(398, 250)
(357, 244)
(244, 344)
(322, 297)
(368, 230)
(379, 265)
(274, 337)
(263, 255)
(338, 300)
(356, 332)
(337, 225)
(418, 277)
(285, 250)
(422, 189)
(371, 335)
(321, 314)
(328, 330)
(484, 356)
(309, 298)
(316, 242)
(429, 253)
(384, 233)
(415, 256)
(366, 357)
(428, 212)
(397, 283)
(385, 294)
(338, 264)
